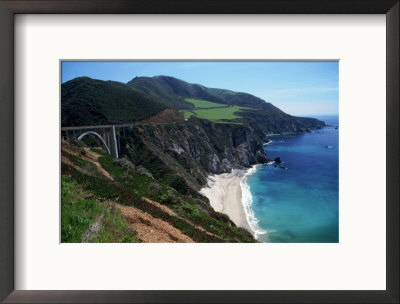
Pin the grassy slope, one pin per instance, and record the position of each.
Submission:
(128, 188)
(198, 103)
(80, 210)
(217, 114)
(174, 91)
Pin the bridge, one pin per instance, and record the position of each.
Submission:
(109, 135)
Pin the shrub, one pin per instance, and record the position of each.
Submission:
(143, 171)
(125, 163)
(179, 184)
(154, 187)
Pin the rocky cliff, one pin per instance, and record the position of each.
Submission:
(193, 149)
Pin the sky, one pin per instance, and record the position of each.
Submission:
(296, 87)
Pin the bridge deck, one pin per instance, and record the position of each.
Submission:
(95, 127)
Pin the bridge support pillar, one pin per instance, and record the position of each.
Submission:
(113, 142)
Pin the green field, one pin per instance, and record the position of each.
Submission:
(204, 103)
(216, 114)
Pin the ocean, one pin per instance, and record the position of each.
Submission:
(298, 201)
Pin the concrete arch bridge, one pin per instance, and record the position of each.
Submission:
(109, 135)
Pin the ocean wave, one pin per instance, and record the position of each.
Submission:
(247, 201)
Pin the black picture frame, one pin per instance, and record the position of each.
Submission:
(11, 7)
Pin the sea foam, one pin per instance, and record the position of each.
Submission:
(247, 201)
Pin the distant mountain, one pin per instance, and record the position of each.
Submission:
(159, 87)
(263, 117)
(86, 101)
(173, 91)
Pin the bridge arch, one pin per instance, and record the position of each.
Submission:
(95, 134)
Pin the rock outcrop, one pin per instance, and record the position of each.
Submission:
(196, 148)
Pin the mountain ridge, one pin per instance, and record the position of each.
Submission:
(87, 101)
(168, 88)
(109, 102)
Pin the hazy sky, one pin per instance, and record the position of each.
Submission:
(298, 88)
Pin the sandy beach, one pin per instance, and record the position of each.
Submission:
(225, 195)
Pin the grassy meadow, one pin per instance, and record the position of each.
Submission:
(198, 103)
(216, 114)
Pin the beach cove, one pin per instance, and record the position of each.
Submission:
(293, 202)
(225, 194)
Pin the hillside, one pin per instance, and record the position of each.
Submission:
(86, 101)
(166, 116)
(173, 92)
(114, 200)
(208, 103)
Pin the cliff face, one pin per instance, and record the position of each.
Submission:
(195, 148)
(217, 148)
(265, 124)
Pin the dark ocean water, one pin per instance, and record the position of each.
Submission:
(298, 204)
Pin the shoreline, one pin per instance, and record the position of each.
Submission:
(226, 196)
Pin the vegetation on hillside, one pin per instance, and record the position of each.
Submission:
(86, 101)
(264, 117)
(199, 103)
(88, 193)
(221, 115)
(192, 150)
(159, 90)
(173, 92)
(86, 218)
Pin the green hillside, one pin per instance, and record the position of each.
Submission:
(157, 88)
(264, 117)
(92, 203)
(86, 101)
(198, 103)
(173, 91)
(81, 210)
(217, 114)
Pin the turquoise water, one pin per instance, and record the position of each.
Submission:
(299, 204)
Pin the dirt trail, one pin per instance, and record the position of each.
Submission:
(93, 230)
(173, 213)
(93, 157)
(150, 229)
(65, 160)
(89, 156)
